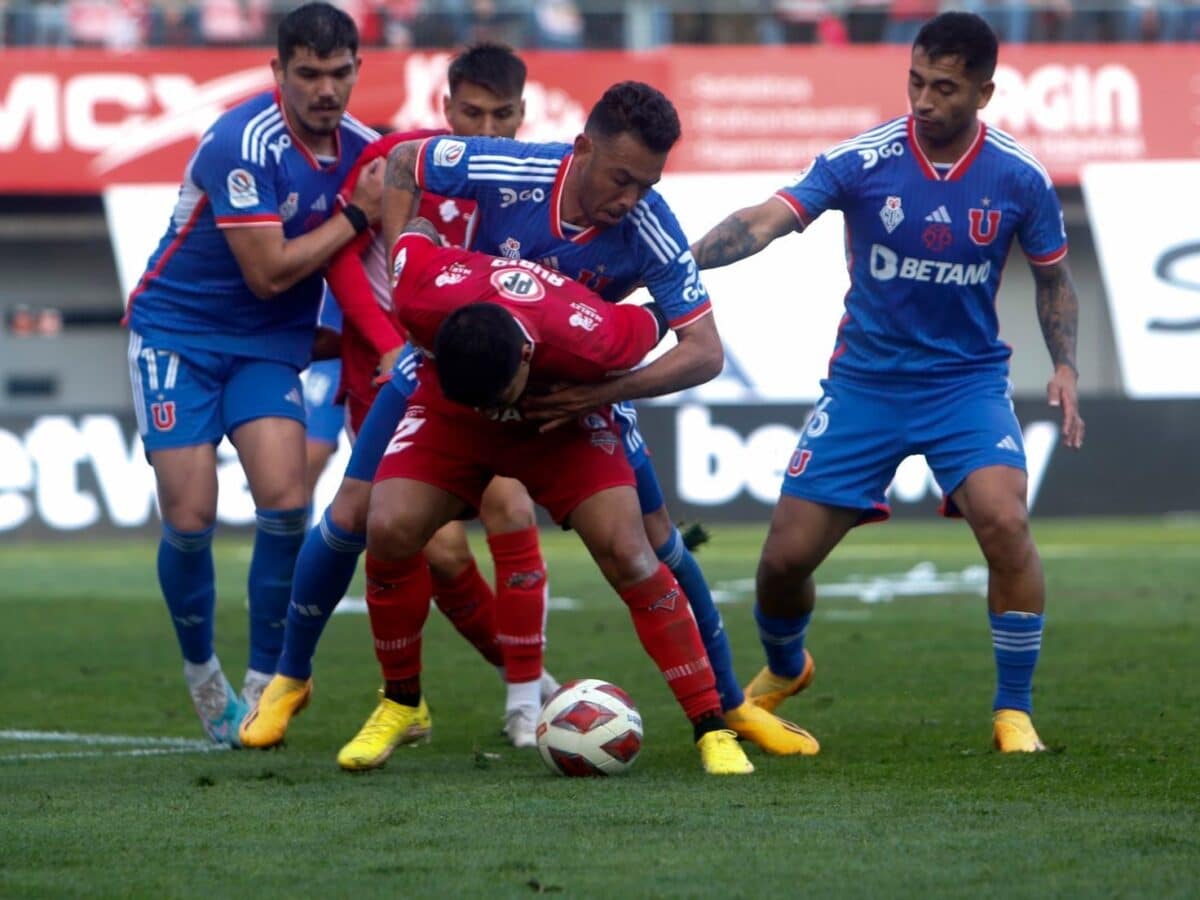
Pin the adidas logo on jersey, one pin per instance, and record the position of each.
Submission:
(1008, 442)
(321, 205)
(293, 396)
(939, 215)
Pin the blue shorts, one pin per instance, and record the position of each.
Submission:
(325, 417)
(856, 436)
(190, 397)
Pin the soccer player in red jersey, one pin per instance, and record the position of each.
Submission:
(486, 82)
(499, 329)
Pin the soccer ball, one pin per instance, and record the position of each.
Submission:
(589, 727)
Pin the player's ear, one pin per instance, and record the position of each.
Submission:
(985, 93)
(446, 101)
(583, 145)
(277, 70)
(521, 113)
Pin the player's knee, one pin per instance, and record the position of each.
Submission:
(393, 535)
(625, 557)
(189, 519)
(658, 526)
(781, 563)
(349, 507)
(1003, 533)
(448, 553)
(507, 511)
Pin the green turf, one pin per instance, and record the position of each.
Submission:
(906, 798)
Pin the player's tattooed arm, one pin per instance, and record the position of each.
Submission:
(401, 195)
(1058, 313)
(743, 234)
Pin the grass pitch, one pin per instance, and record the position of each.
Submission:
(906, 798)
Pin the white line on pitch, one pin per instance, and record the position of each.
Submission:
(92, 754)
(70, 737)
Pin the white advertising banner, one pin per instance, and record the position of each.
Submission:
(1143, 216)
(778, 311)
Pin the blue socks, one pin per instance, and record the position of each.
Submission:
(783, 640)
(324, 570)
(712, 630)
(185, 574)
(1016, 641)
(276, 543)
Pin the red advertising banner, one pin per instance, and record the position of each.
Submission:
(74, 121)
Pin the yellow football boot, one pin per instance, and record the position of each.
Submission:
(721, 754)
(1013, 732)
(776, 736)
(767, 690)
(282, 700)
(391, 725)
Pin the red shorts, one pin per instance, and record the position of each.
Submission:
(460, 451)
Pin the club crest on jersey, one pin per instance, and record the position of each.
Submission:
(584, 317)
(448, 153)
(891, 214)
(448, 210)
(163, 415)
(454, 273)
(517, 284)
(243, 192)
(594, 422)
(511, 248)
(937, 236)
(985, 225)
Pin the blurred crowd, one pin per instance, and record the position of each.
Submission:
(574, 24)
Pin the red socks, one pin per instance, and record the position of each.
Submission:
(667, 630)
(468, 602)
(398, 604)
(520, 603)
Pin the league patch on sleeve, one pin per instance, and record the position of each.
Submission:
(243, 192)
(448, 153)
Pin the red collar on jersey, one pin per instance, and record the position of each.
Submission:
(957, 170)
(301, 146)
(556, 220)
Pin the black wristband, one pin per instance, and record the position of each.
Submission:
(358, 218)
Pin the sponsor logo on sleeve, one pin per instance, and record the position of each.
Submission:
(289, 207)
(243, 192)
(448, 153)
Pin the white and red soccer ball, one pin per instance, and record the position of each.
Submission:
(589, 727)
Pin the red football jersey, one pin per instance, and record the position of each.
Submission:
(358, 278)
(577, 337)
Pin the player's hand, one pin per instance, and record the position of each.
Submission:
(403, 375)
(368, 191)
(387, 362)
(560, 406)
(1062, 390)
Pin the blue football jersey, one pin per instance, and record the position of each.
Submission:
(925, 246)
(247, 170)
(518, 191)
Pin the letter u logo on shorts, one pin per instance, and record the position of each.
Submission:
(163, 414)
(985, 225)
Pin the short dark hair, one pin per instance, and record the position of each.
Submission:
(321, 27)
(636, 108)
(964, 35)
(477, 351)
(490, 65)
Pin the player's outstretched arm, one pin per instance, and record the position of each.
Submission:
(401, 195)
(271, 262)
(1058, 313)
(743, 234)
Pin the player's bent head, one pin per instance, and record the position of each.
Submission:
(490, 65)
(478, 351)
(635, 108)
(321, 27)
(964, 35)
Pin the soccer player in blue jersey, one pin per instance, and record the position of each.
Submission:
(221, 324)
(588, 209)
(932, 202)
